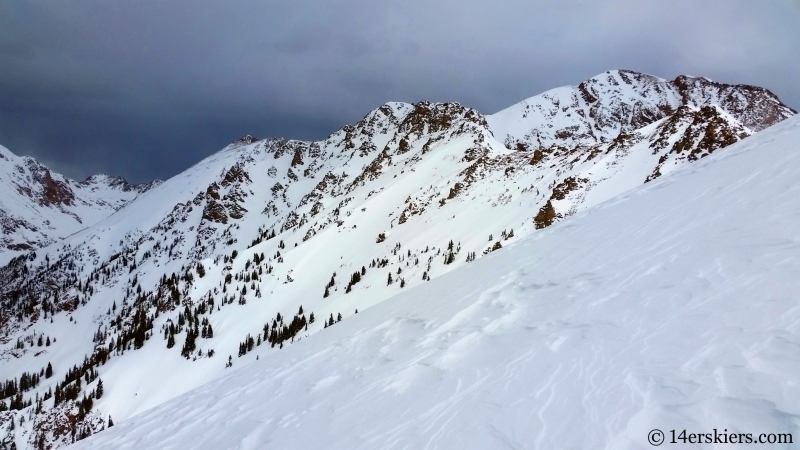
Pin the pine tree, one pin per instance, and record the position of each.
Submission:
(48, 372)
(189, 344)
(389, 280)
(110, 422)
(99, 391)
(450, 257)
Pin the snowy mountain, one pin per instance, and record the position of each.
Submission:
(622, 101)
(225, 263)
(39, 207)
(665, 308)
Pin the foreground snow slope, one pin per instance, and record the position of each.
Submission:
(673, 306)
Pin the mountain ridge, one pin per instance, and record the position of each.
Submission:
(39, 207)
(574, 337)
(264, 226)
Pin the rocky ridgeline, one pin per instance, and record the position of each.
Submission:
(40, 207)
(408, 193)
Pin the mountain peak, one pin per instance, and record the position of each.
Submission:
(620, 101)
(232, 255)
(39, 206)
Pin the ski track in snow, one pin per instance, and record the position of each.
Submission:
(673, 306)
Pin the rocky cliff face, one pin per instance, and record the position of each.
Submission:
(227, 252)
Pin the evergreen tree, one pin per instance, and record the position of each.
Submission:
(48, 372)
(450, 257)
(189, 345)
(99, 391)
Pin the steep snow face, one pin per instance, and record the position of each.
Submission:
(188, 280)
(673, 306)
(620, 101)
(39, 207)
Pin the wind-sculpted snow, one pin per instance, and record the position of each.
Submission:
(673, 306)
(226, 262)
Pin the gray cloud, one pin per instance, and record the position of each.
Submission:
(144, 89)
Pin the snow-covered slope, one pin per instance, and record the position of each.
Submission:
(190, 278)
(39, 207)
(673, 306)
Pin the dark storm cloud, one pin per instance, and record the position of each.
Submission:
(144, 89)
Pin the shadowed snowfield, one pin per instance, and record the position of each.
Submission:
(674, 306)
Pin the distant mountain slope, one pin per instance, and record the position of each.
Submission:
(621, 101)
(39, 207)
(204, 271)
(672, 307)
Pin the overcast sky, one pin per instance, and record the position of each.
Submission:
(145, 89)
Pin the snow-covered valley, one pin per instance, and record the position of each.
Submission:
(567, 272)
